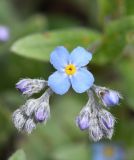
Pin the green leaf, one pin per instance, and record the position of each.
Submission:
(114, 40)
(18, 155)
(129, 7)
(39, 46)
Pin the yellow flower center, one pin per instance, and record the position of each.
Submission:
(70, 69)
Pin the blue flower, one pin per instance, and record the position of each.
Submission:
(4, 34)
(108, 151)
(71, 70)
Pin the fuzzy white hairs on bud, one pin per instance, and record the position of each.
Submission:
(98, 121)
(30, 86)
(32, 112)
(95, 132)
(30, 106)
(29, 126)
(107, 96)
(92, 117)
(18, 119)
(106, 122)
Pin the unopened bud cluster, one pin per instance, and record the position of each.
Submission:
(93, 117)
(34, 111)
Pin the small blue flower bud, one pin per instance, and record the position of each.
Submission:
(4, 34)
(82, 123)
(30, 86)
(29, 126)
(41, 114)
(82, 120)
(110, 98)
(106, 122)
(23, 84)
(106, 119)
(30, 106)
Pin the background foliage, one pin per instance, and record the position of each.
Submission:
(36, 28)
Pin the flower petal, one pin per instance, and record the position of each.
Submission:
(82, 80)
(59, 82)
(59, 57)
(80, 57)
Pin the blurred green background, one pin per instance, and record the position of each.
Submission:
(36, 27)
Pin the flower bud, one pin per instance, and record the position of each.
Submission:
(4, 34)
(30, 86)
(95, 132)
(42, 114)
(106, 119)
(30, 106)
(108, 97)
(82, 121)
(106, 122)
(18, 119)
(29, 126)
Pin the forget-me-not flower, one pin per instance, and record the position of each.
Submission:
(71, 70)
(4, 34)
